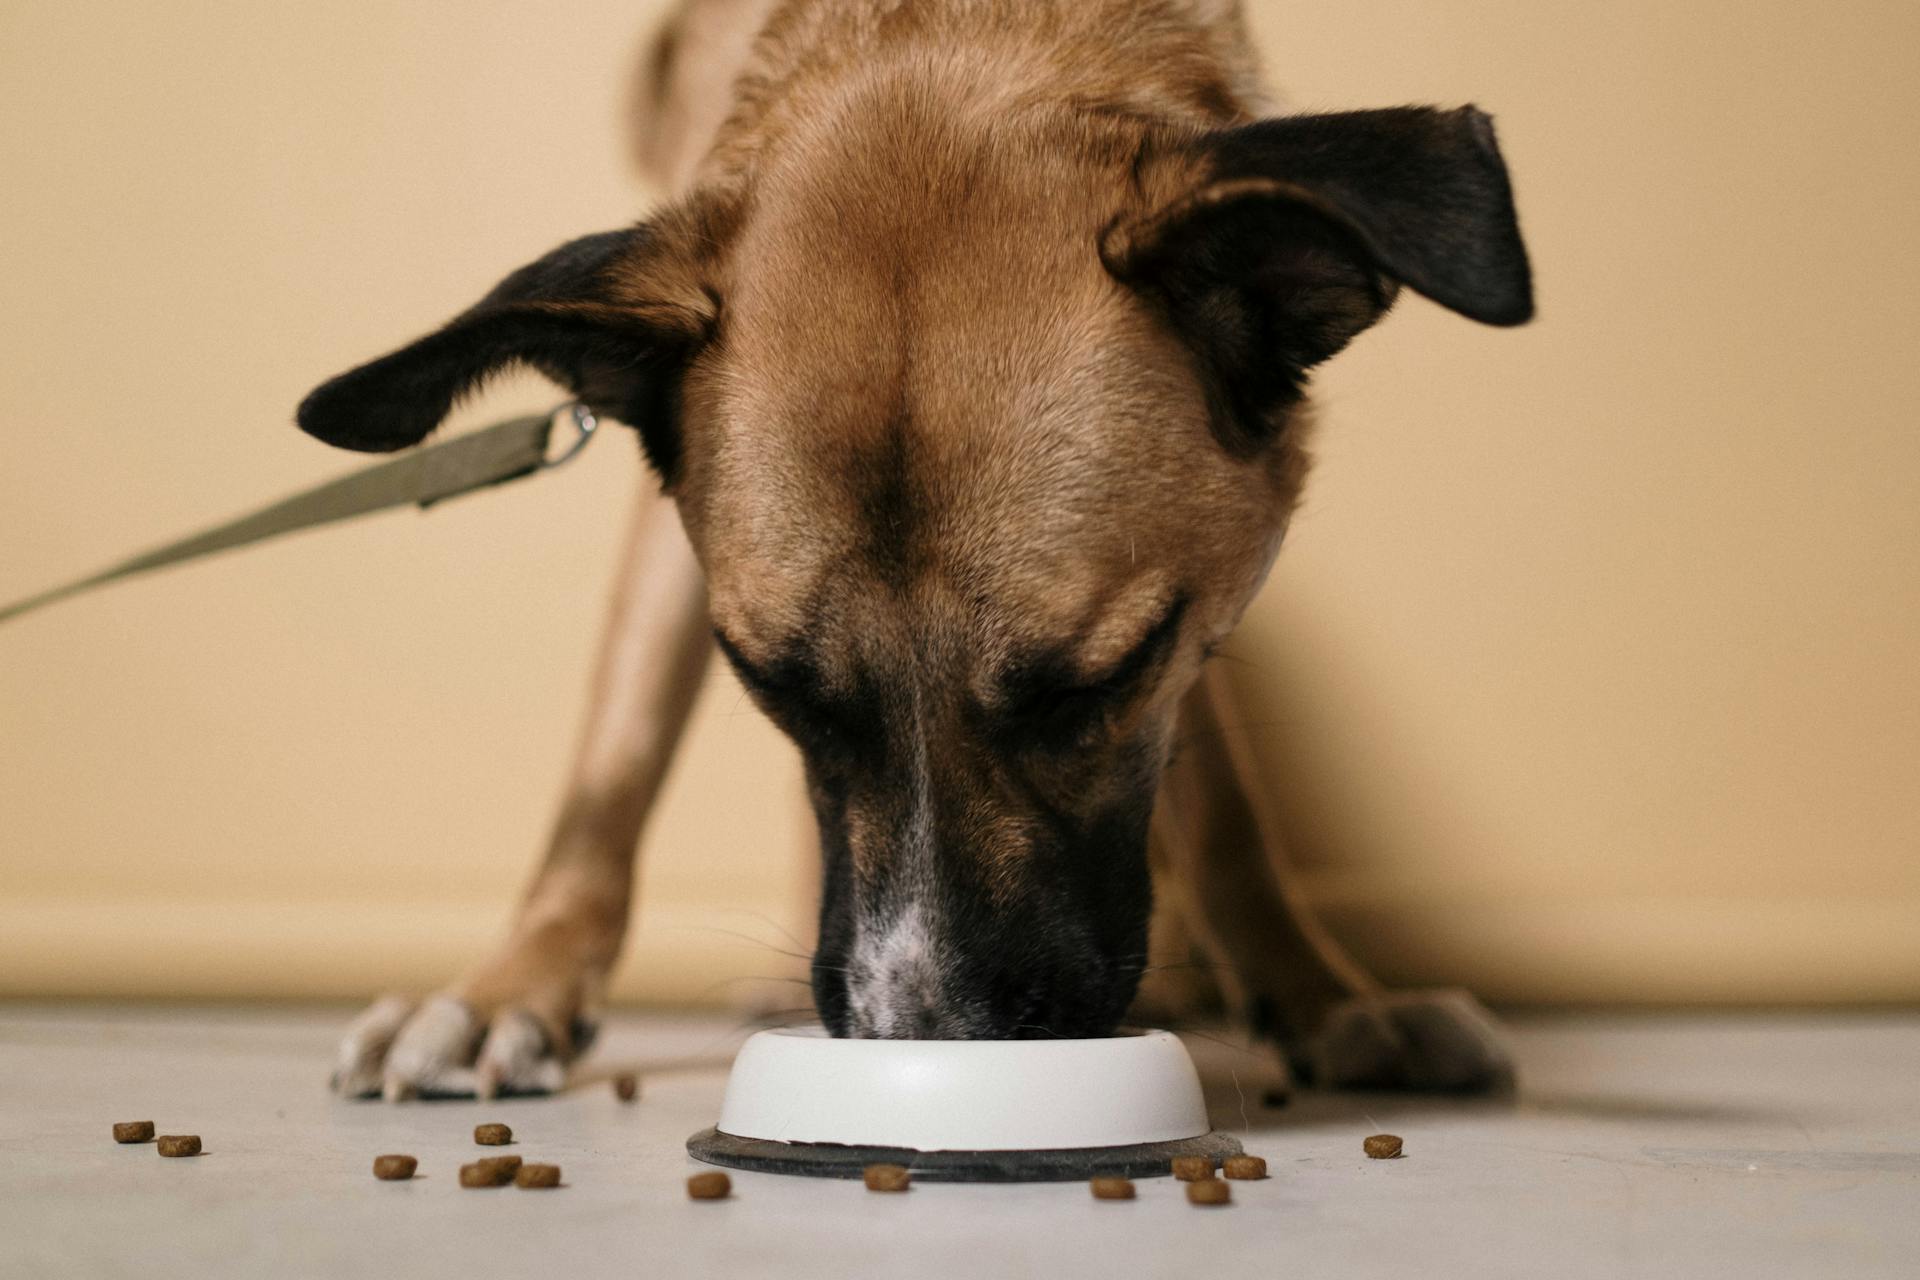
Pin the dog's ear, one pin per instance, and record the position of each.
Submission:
(612, 317)
(1297, 233)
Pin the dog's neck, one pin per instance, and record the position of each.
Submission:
(1001, 61)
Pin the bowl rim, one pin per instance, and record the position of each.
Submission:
(801, 1085)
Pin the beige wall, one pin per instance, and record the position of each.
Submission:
(1590, 671)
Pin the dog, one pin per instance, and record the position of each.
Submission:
(971, 356)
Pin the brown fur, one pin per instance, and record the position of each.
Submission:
(931, 433)
(1050, 473)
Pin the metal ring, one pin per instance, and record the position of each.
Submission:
(585, 423)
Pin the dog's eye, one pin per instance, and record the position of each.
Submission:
(790, 693)
(1065, 708)
(771, 681)
(1067, 711)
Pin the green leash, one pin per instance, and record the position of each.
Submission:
(478, 460)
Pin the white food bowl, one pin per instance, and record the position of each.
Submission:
(797, 1096)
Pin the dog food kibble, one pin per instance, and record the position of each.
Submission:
(504, 1167)
(537, 1175)
(886, 1177)
(1209, 1191)
(1192, 1168)
(626, 1086)
(1111, 1189)
(1244, 1167)
(179, 1144)
(492, 1135)
(394, 1168)
(1382, 1146)
(709, 1186)
(485, 1173)
(134, 1131)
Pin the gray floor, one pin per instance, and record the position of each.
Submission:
(1696, 1146)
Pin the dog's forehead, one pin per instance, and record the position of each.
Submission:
(1012, 502)
(1024, 467)
(931, 397)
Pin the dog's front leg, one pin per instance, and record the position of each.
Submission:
(1335, 1024)
(518, 1017)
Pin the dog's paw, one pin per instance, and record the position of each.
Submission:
(1420, 1041)
(444, 1047)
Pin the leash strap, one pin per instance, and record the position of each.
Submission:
(477, 460)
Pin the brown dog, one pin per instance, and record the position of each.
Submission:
(972, 358)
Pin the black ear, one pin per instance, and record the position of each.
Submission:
(611, 317)
(1299, 231)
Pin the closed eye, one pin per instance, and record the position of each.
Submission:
(770, 681)
(1044, 699)
(790, 691)
(1066, 709)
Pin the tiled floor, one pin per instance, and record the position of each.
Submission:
(1687, 1146)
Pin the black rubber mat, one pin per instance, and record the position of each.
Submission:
(1066, 1164)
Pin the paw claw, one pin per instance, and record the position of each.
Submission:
(397, 1050)
(364, 1047)
(440, 1035)
(516, 1047)
(357, 1084)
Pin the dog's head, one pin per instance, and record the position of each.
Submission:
(984, 438)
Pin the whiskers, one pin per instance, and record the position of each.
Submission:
(1045, 1032)
(734, 980)
(772, 924)
(780, 979)
(761, 943)
(1208, 1023)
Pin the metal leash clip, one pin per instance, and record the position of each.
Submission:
(585, 423)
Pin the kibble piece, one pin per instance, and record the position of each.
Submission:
(394, 1168)
(179, 1144)
(709, 1186)
(626, 1086)
(1111, 1189)
(1192, 1168)
(886, 1177)
(1244, 1167)
(497, 1171)
(485, 1173)
(537, 1175)
(1382, 1146)
(492, 1135)
(1209, 1191)
(134, 1131)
